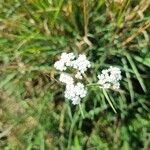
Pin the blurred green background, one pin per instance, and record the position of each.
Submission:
(33, 112)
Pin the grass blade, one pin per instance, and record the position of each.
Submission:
(128, 79)
(135, 70)
(109, 101)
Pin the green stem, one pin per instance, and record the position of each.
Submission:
(82, 114)
(92, 84)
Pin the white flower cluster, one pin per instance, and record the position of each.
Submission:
(66, 78)
(65, 61)
(109, 78)
(73, 92)
(81, 64)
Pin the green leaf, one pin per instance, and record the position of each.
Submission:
(135, 70)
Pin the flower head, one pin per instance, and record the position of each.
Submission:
(64, 62)
(110, 78)
(67, 58)
(81, 63)
(60, 66)
(74, 93)
(66, 78)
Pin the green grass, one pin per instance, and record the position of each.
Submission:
(33, 112)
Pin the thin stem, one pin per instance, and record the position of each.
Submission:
(92, 84)
(85, 13)
(82, 114)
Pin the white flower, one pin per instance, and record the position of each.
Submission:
(66, 78)
(64, 62)
(110, 78)
(59, 65)
(75, 92)
(78, 75)
(76, 100)
(116, 72)
(67, 58)
(106, 85)
(116, 85)
(81, 63)
(80, 90)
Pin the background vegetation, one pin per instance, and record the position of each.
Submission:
(33, 112)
